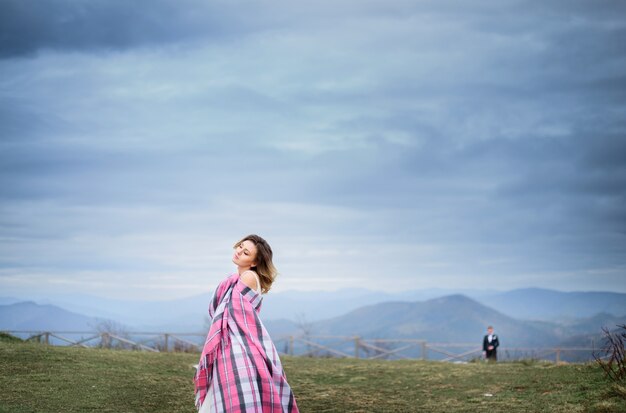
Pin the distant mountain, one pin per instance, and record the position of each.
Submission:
(594, 324)
(32, 316)
(280, 327)
(449, 319)
(180, 315)
(454, 318)
(319, 305)
(594, 337)
(550, 305)
(279, 310)
(188, 314)
(457, 319)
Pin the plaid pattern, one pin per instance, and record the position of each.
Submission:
(239, 369)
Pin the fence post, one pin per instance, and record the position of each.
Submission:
(558, 355)
(291, 345)
(356, 346)
(424, 351)
(106, 340)
(47, 337)
(166, 342)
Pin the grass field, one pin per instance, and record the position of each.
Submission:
(39, 378)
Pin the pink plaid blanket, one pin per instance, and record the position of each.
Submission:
(239, 369)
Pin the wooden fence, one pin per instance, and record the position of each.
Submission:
(368, 348)
(308, 346)
(147, 341)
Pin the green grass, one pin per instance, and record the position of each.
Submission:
(39, 378)
(4, 337)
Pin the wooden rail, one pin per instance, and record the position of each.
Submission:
(390, 348)
(160, 341)
(303, 345)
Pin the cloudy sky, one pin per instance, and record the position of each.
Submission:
(385, 145)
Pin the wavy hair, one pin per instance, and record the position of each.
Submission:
(264, 266)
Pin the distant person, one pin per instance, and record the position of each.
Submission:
(239, 369)
(490, 345)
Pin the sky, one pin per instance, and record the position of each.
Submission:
(383, 145)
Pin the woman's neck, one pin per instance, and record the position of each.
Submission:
(241, 270)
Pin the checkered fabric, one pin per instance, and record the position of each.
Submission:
(239, 369)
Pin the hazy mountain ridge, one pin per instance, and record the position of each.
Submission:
(455, 318)
(452, 318)
(459, 319)
(548, 305)
(189, 312)
(311, 306)
(138, 314)
(28, 315)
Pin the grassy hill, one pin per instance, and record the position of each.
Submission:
(38, 378)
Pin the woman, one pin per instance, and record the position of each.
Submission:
(239, 369)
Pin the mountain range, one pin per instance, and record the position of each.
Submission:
(456, 319)
(188, 314)
(550, 305)
(28, 315)
(451, 318)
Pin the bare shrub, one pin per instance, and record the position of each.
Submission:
(612, 358)
(108, 330)
(182, 347)
(305, 328)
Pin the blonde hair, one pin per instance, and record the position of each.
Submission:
(264, 266)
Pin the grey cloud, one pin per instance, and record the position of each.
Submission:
(27, 26)
(15, 124)
(605, 150)
(491, 129)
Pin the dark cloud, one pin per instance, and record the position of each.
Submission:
(27, 26)
(605, 150)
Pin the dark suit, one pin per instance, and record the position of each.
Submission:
(492, 355)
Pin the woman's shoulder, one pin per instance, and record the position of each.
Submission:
(250, 278)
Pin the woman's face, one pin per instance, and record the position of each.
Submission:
(245, 254)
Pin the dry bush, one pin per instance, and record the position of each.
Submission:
(182, 347)
(108, 328)
(612, 358)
